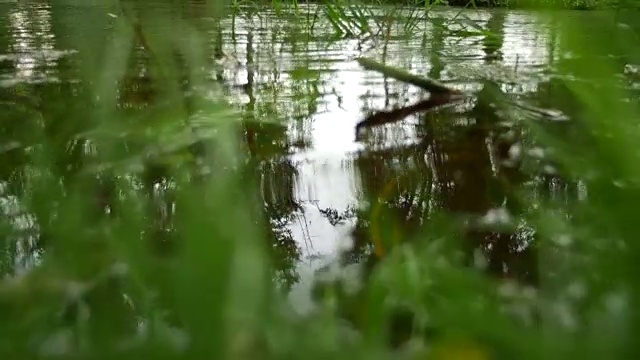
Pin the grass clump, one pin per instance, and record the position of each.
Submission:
(512, 4)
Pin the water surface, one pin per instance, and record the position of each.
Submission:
(324, 189)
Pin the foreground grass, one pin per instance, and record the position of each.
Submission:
(512, 4)
(150, 242)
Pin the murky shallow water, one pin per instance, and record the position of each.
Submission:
(308, 80)
(323, 108)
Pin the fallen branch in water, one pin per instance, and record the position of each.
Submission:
(440, 94)
(430, 85)
(385, 117)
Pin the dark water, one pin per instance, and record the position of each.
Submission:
(323, 189)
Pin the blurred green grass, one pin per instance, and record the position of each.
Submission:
(107, 286)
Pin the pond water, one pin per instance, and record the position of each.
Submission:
(316, 176)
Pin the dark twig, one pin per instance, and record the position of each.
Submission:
(384, 117)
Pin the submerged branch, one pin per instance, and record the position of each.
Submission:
(440, 95)
(385, 117)
(430, 85)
